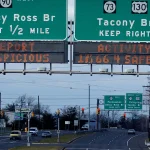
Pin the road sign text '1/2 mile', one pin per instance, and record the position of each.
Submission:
(33, 19)
(112, 20)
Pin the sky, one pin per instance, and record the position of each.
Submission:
(57, 91)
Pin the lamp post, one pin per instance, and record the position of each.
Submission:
(149, 110)
(89, 109)
(58, 131)
(28, 136)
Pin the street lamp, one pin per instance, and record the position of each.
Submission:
(148, 86)
(28, 137)
(58, 131)
(89, 108)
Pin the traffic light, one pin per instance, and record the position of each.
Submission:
(32, 114)
(124, 115)
(58, 112)
(2, 113)
(98, 111)
(82, 110)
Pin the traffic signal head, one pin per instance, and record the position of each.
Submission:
(98, 111)
(2, 113)
(82, 110)
(32, 114)
(58, 112)
(124, 115)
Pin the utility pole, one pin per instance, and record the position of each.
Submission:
(149, 110)
(20, 115)
(0, 110)
(58, 129)
(39, 108)
(28, 137)
(97, 114)
(89, 109)
(0, 105)
(79, 118)
(108, 119)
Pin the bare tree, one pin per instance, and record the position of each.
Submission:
(134, 114)
(143, 122)
(24, 100)
(69, 111)
(43, 108)
(115, 116)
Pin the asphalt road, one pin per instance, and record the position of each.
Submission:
(110, 140)
(107, 140)
(6, 143)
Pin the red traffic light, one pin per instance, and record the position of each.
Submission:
(82, 110)
(98, 111)
(124, 115)
(32, 114)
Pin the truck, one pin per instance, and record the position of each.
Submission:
(86, 126)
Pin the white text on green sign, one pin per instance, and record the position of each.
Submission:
(34, 19)
(106, 20)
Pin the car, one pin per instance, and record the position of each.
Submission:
(15, 134)
(131, 131)
(33, 131)
(46, 134)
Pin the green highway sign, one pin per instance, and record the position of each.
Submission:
(33, 20)
(112, 20)
(114, 102)
(134, 101)
(18, 116)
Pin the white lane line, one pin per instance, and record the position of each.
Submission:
(110, 142)
(93, 140)
(13, 142)
(75, 148)
(133, 137)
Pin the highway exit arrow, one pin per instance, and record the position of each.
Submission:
(114, 102)
(134, 101)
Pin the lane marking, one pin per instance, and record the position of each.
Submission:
(133, 137)
(89, 149)
(75, 148)
(13, 142)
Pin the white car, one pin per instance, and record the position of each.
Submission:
(33, 131)
(131, 131)
(46, 134)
